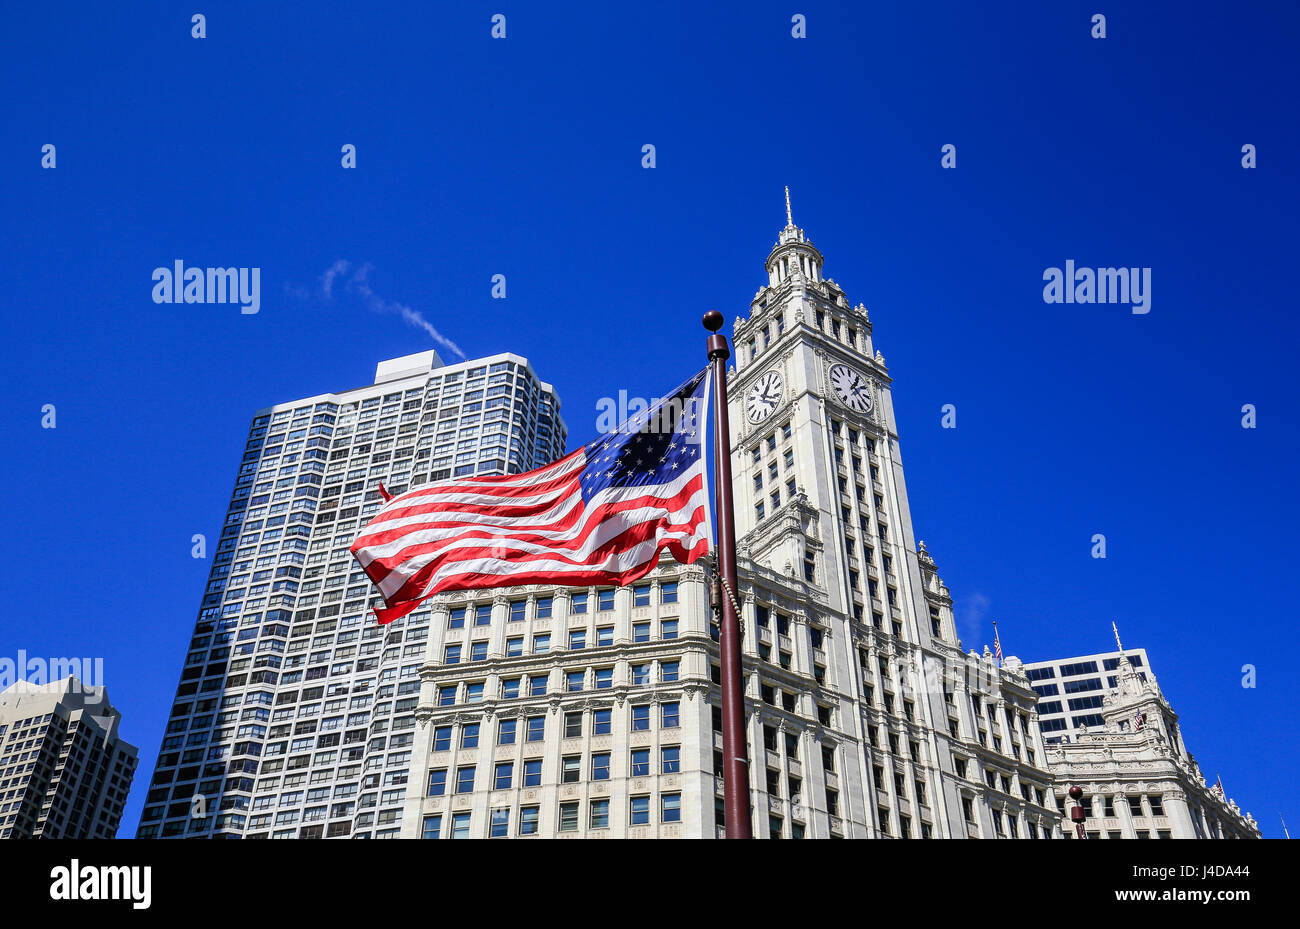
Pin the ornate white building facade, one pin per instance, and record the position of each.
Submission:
(1139, 780)
(594, 712)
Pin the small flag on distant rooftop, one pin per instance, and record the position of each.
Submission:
(600, 515)
(997, 645)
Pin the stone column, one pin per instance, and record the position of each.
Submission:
(1000, 724)
(1179, 814)
(1127, 830)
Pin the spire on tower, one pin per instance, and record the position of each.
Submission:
(1117, 641)
(793, 254)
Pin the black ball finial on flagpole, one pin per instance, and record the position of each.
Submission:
(1077, 813)
(717, 344)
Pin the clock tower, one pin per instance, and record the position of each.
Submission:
(900, 717)
(816, 433)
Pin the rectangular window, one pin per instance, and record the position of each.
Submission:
(536, 728)
(465, 780)
(640, 632)
(604, 600)
(442, 738)
(460, 826)
(640, 762)
(469, 736)
(641, 595)
(600, 766)
(605, 635)
(483, 614)
(668, 629)
(517, 611)
(573, 681)
(478, 651)
(541, 644)
(505, 772)
(431, 826)
(569, 817)
(640, 674)
(438, 782)
(573, 725)
(672, 808)
(577, 639)
(570, 769)
(510, 688)
(506, 732)
(599, 814)
(640, 811)
(528, 820)
(641, 718)
(671, 715)
(601, 722)
(514, 647)
(672, 759)
(456, 620)
(668, 671)
(579, 603)
(604, 678)
(500, 827)
(668, 592)
(537, 685)
(533, 773)
(451, 655)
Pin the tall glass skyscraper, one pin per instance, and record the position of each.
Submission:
(295, 711)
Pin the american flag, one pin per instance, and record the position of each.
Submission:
(1138, 721)
(600, 515)
(997, 645)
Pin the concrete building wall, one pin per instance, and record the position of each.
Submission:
(64, 770)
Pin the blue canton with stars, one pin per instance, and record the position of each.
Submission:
(656, 446)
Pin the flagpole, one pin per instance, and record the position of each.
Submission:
(735, 762)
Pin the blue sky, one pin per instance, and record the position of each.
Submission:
(523, 157)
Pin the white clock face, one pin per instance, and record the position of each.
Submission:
(853, 389)
(763, 397)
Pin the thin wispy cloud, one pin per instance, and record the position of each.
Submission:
(352, 280)
(327, 279)
(970, 612)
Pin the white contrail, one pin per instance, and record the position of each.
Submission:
(357, 284)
